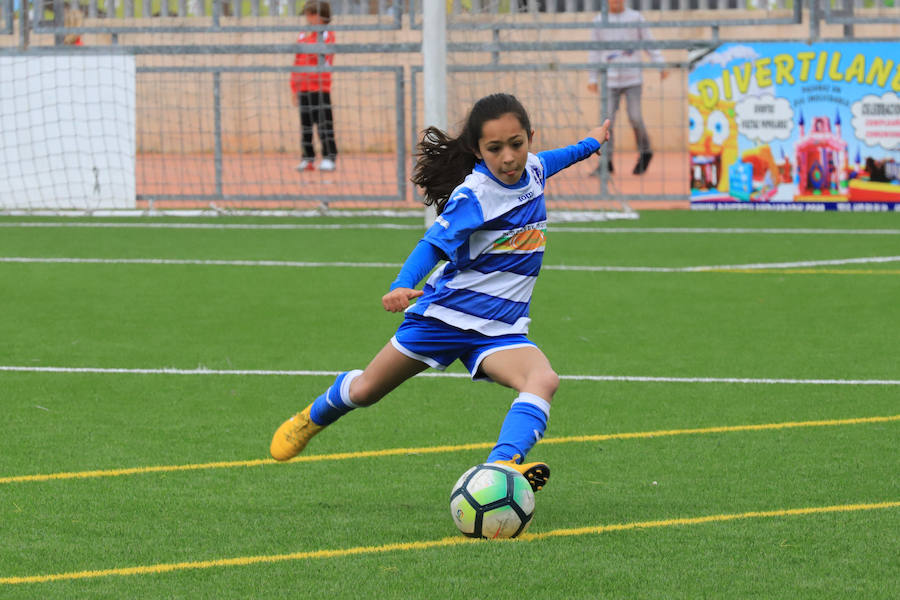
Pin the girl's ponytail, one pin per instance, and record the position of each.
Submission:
(442, 164)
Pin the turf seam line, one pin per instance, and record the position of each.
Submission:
(419, 227)
(439, 449)
(311, 373)
(442, 543)
(740, 268)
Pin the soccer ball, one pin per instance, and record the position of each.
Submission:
(492, 501)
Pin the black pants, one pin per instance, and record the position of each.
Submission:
(315, 109)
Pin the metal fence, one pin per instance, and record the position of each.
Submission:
(116, 17)
(259, 8)
(490, 44)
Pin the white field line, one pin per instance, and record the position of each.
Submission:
(218, 213)
(302, 373)
(726, 230)
(217, 226)
(198, 262)
(394, 265)
(420, 227)
(749, 266)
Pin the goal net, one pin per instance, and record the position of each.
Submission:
(67, 132)
(188, 107)
(539, 51)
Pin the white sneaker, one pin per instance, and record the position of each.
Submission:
(326, 165)
(305, 165)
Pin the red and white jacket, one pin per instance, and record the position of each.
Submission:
(312, 82)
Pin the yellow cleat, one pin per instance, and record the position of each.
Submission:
(537, 473)
(291, 438)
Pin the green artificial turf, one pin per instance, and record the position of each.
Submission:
(103, 471)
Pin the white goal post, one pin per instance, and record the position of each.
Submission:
(434, 63)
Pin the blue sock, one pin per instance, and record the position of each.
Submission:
(523, 427)
(335, 402)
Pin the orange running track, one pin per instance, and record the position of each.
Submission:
(269, 181)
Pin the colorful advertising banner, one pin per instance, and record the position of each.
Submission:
(794, 126)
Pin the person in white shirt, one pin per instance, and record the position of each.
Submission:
(624, 81)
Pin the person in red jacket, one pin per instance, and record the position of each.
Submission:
(312, 91)
(73, 17)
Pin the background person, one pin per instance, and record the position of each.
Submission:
(312, 91)
(624, 81)
(73, 17)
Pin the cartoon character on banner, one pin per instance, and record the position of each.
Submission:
(713, 137)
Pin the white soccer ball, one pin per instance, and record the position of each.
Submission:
(492, 501)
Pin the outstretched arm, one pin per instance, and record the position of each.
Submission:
(556, 160)
(601, 134)
(421, 260)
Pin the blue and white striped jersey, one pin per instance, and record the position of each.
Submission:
(493, 235)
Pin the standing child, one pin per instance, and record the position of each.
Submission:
(488, 190)
(312, 91)
(72, 17)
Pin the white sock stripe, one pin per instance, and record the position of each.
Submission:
(345, 387)
(535, 400)
(328, 397)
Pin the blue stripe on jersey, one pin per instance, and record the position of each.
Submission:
(484, 233)
(520, 264)
(533, 212)
(484, 306)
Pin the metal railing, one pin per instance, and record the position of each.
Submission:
(496, 42)
(276, 8)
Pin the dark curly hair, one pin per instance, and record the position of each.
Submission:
(443, 162)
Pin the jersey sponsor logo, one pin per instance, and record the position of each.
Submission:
(529, 239)
(442, 222)
(526, 196)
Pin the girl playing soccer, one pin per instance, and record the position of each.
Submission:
(488, 190)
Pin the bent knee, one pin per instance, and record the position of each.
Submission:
(552, 383)
(362, 393)
(544, 383)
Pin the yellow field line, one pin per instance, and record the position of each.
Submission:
(440, 449)
(721, 429)
(442, 543)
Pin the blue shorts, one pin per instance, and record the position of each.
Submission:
(437, 344)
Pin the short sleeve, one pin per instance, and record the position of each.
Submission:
(451, 229)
